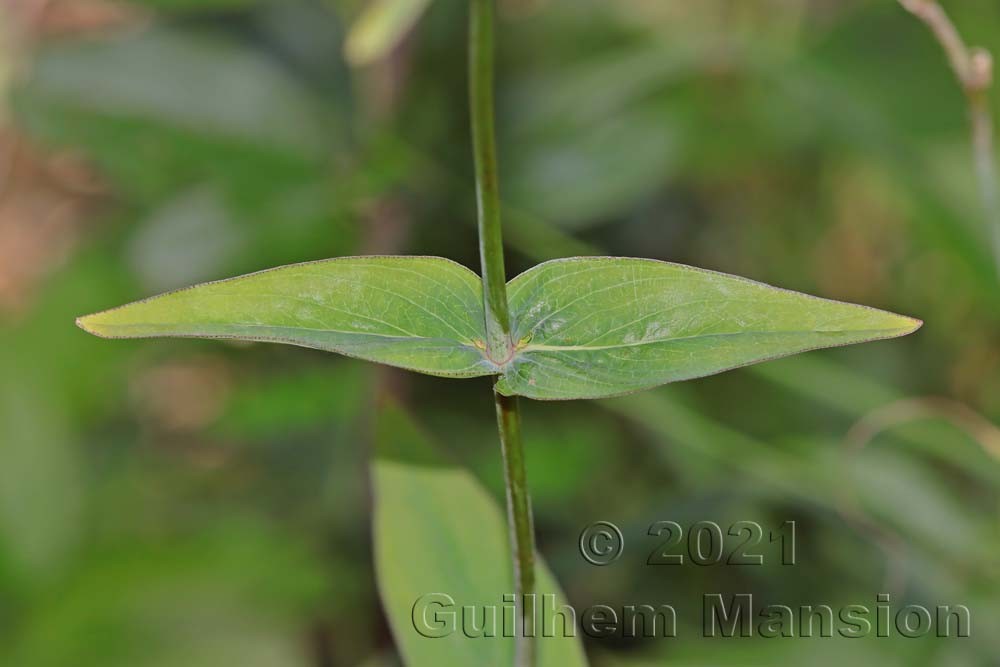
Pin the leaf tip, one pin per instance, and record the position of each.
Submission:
(909, 324)
(894, 325)
(90, 324)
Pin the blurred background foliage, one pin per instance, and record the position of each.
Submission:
(190, 503)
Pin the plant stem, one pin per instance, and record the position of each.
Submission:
(973, 67)
(986, 168)
(498, 343)
(499, 346)
(522, 530)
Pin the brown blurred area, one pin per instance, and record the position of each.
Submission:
(46, 196)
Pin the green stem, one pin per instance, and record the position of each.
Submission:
(484, 150)
(986, 168)
(522, 530)
(499, 346)
(973, 67)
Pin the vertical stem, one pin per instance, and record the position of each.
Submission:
(522, 530)
(973, 67)
(498, 342)
(986, 169)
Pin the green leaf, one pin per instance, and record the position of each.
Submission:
(584, 327)
(591, 327)
(234, 592)
(382, 26)
(214, 87)
(420, 313)
(624, 161)
(437, 531)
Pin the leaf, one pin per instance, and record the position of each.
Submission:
(437, 531)
(584, 327)
(382, 26)
(235, 592)
(42, 493)
(420, 313)
(214, 87)
(623, 161)
(165, 237)
(591, 327)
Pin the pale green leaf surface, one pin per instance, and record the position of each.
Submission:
(215, 88)
(591, 327)
(437, 530)
(380, 29)
(420, 313)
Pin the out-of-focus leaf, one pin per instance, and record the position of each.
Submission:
(420, 313)
(906, 494)
(212, 86)
(310, 37)
(567, 93)
(166, 237)
(274, 406)
(437, 531)
(235, 596)
(41, 490)
(621, 161)
(857, 394)
(380, 28)
(623, 143)
(703, 447)
(591, 327)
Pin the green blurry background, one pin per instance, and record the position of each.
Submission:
(197, 503)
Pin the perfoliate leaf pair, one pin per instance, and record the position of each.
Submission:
(584, 327)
